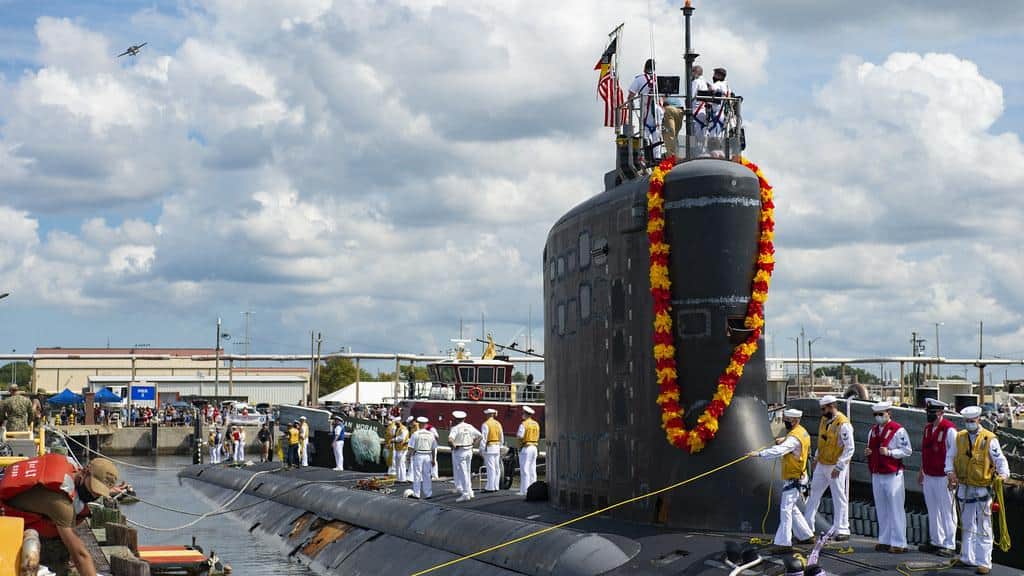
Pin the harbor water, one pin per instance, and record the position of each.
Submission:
(223, 534)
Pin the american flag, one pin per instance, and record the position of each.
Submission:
(608, 86)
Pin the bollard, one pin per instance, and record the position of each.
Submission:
(152, 438)
(123, 535)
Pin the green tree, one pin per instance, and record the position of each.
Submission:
(336, 373)
(22, 372)
(419, 373)
(863, 376)
(518, 376)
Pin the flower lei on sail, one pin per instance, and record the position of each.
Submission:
(694, 440)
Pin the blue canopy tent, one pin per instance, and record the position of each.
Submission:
(107, 396)
(66, 398)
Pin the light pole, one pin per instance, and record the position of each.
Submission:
(797, 340)
(810, 359)
(938, 367)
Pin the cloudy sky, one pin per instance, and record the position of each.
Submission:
(376, 170)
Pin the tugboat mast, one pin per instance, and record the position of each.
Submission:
(688, 56)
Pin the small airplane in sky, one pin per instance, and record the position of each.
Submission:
(132, 50)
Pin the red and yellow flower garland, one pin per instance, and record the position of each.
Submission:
(694, 440)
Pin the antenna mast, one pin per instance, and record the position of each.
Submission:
(688, 56)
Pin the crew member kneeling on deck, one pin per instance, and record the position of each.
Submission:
(978, 460)
(793, 449)
(51, 493)
(835, 450)
(492, 439)
(462, 437)
(529, 435)
(936, 479)
(423, 445)
(888, 445)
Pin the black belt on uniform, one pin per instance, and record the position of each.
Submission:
(792, 485)
(466, 446)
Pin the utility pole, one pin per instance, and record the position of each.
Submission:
(312, 367)
(981, 367)
(316, 393)
(247, 342)
(938, 367)
(797, 340)
(216, 365)
(810, 360)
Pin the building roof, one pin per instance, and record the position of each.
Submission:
(140, 351)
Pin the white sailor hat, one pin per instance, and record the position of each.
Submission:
(396, 418)
(792, 413)
(971, 412)
(935, 403)
(410, 418)
(422, 420)
(882, 406)
(826, 400)
(459, 414)
(528, 410)
(302, 417)
(490, 411)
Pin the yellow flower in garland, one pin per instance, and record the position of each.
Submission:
(663, 322)
(659, 276)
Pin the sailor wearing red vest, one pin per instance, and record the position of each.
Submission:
(793, 449)
(888, 445)
(51, 493)
(936, 479)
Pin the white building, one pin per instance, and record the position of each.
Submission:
(269, 388)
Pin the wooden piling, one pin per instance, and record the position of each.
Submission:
(128, 566)
(123, 535)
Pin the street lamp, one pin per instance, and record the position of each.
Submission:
(938, 367)
(797, 340)
(810, 360)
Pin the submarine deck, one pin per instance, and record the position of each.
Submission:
(650, 549)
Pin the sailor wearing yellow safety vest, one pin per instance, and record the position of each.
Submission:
(389, 445)
(529, 435)
(832, 468)
(490, 447)
(794, 449)
(977, 461)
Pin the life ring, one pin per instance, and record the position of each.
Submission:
(396, 411)
(475, 393)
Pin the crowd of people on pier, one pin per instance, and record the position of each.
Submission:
(958, 472)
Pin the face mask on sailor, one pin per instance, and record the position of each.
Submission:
(82, 489)
(971, 425)
(828, 412)
(789, 424)
(932, 416)
(880, 418)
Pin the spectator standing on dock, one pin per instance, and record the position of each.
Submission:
(304, 442)
(38, 490)
(978, 460)
(264, 437)
(239, 438)
(793, 449)
(462, 437)
(937, 478)
(491, 440)
(16, 411)
(835, 451)
(888, 445)
(424, 446)
(529, 436)
(338, 443)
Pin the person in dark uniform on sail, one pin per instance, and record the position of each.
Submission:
(52, 494)
(651, 113)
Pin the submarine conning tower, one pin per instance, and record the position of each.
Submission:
(605, 443)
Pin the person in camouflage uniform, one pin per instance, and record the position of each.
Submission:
(16, 411)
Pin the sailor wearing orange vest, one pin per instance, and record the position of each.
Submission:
(51, 493)
(938, 446)
(832, 468)
(978, 460)
(462, 437)
(529, 435)
(491, 441)
(794, 449)
(888, 445)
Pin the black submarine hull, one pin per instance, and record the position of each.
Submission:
(605, 438)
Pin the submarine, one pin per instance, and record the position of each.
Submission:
(610, 407)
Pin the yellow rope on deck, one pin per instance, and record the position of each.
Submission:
(583, 517)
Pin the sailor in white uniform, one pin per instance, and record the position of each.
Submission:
(423, 445)
(338, 443)
(832, 468)
(491, 441)
(304, 441)
(977, 460)
(888, 445)
(938, 446)
(400, 449)
(529, 436)
(793, 449)
(651, 114)
(412, 423)
(462, 437)
(719, 120)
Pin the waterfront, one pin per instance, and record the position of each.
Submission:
(223, 534)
